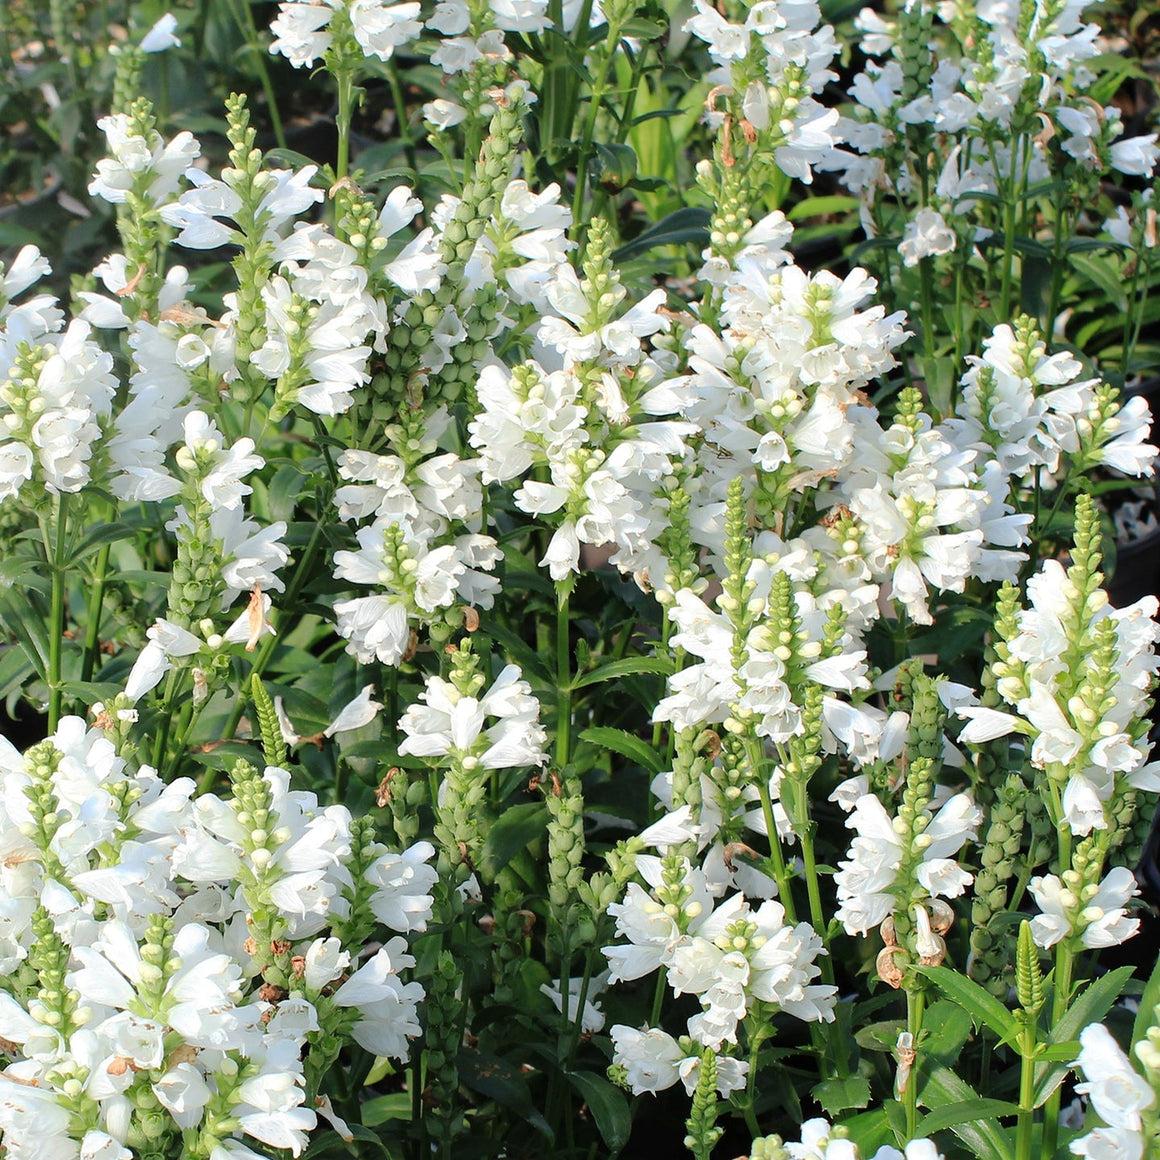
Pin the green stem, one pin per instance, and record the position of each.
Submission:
(166, 709)
(915, 1005)
(345, 109)
(599, 87)
(93, 615)
(244, 15)
(56, 623)
(776, 857)
(1061, 979)
(563, 674)
(403, 120)
(1023, 1131)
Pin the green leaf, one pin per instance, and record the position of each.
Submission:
(963, 1112)
(880, 1036)
(984, 1137)
(626, 744)
(947, 1027)
(395, 1106)
(870, 1130)
(644, 29)
(626, 666)
(1089, 1006)
(686, 226)
(28, 624)
(822, 206)
(25, 572)
(509, 834)
(840, 1093)
(100, 535)
(982, 1005)
(608, 1105)
(1147, 1011)
(498, 1080)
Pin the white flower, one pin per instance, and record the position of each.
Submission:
(354, 715)
(1116, 1090)
(866, 879)
(926, 234)
(402, 898)
(450, 722)
(651, 1058)
(389, 1006)
(161, 35)
(1068, 908)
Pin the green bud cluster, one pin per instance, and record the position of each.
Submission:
(1028, 973)
(566, 844)
(912, 48)
(701, 1133)
(406, 361)
(253, 804)
(444, 1011)
(55, 1004)
(403, 792)
(157, 967)
(927, 722)
(246, 177)
(998, 859)
(356, 928)
(41, 762)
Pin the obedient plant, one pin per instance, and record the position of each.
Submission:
(494, 696)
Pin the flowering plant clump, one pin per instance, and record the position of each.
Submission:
(491, 697)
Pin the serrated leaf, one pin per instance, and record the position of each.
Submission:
(608, 1105)
(509, 834)
(963, 1112)
(947, 1027)
(984, 1137)
(982, 1005)
(1089, 1006)
(686, 226)
(870, 1130)
(881, 1036)
(625, 667)
(643, 29)
(841, 1093)
(100, 535)
(395, 1106)
(625, 744)
(498, 1080)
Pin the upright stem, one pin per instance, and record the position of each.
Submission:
(245, 18)
(1061, 979)
(345, 109)
(93, 615)
(56, 623)
(1026, 1092)
(915, 1005)
(563, 674)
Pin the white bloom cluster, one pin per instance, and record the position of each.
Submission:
(164, 960)
(1120, 1096)
(55, 393)
(727, 954)
(1045, 681)
(450, 723)
(1031, 410)
(420, 548)
(792, 65)
(866, 881)
(1025, 78)
(304, 31)
(145, 165)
